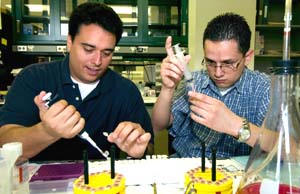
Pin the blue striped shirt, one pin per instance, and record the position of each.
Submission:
(248, 98)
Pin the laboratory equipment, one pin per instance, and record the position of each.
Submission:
(13, 177)
(58, 171)
(86, 167)
(3, 169)
(274, 162)
(83, 134)
(190, 82)
(21, 176)
(149, 74)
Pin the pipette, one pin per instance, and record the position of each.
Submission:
(190, 83)
(83, 135)
(86, 137)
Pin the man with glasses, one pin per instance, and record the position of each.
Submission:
(229, 101)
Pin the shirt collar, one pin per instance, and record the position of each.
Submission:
(106, 84)
(65, 69)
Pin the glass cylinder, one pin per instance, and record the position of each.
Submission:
(274, 162)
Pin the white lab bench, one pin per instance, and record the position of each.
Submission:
(166, 173)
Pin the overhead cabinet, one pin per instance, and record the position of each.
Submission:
(39, 21)
(146, 22)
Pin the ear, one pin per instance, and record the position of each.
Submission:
(249, 56)
(69, 43)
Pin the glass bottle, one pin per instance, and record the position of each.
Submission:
(274, 163)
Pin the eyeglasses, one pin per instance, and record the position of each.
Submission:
(224, 65)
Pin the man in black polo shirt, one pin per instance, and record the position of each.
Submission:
(93, 98)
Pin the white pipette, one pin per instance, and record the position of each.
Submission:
(190, 83)
(84, 135)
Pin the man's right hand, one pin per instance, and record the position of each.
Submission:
(171, 69)
(61, 120)
(171, 72)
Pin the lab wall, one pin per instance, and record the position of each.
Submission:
(202, 11)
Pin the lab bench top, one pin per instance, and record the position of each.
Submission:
(166, 173)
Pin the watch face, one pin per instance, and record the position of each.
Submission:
(245, 134)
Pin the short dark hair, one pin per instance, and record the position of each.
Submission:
(229, 26)
(95, 13)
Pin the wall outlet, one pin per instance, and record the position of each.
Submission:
(61, 49)
(22, 48)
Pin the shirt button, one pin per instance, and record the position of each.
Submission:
(74, 86)
(77, 98)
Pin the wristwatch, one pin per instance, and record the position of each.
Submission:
(244, 132)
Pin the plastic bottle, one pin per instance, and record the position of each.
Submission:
(10, 153)
(21, 176)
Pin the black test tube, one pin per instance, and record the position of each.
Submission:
(213, 164)
(203, 156)
(86, 167)
(112, 161)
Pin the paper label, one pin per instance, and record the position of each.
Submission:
(269, 186)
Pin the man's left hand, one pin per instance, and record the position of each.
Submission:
(214, 114)
(131, 138)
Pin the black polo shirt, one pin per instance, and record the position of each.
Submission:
(115, 99)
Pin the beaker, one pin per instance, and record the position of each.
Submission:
(274, 162)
